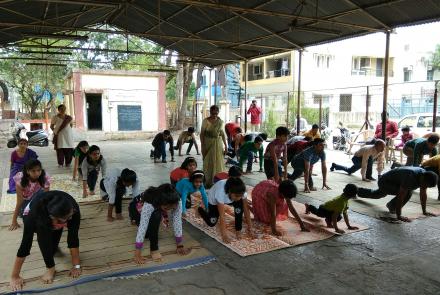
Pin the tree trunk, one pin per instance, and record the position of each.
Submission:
(187, 70)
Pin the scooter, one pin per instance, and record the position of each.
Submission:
(36, 138)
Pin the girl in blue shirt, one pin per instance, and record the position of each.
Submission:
(188, 186)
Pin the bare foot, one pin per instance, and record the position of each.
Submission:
(92, 193)
(119, 217)
(307, 208)
(156, 256)
(47, 278)
(110, 219)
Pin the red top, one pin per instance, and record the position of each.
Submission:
(298, 146)
(231, 127)
(391, 130)
(255, 112)
(179, 173)
(220, 176)
(260, 202)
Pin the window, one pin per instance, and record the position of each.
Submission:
(345, 103)
(258, 69)
(407, 74)
(408, 121)
(323, 61)
(361, 66)
(430, 74)
(325, 99)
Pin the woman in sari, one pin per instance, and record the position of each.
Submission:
(18, 158)
(211, 138)
(61, 125)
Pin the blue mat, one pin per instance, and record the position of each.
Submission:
(126, 273)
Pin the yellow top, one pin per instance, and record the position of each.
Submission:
(310, 134)
(338, 204)
(433, 162)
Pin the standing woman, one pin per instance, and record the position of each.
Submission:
(47, 215)
(18, 158)
(91, 165)
(79, 153)
(61, 126)
(211, 138)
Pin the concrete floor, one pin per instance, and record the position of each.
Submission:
(387, 259)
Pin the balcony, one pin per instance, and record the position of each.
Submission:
(277, 73)
(370, 72)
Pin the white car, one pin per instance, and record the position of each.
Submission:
(420, 123)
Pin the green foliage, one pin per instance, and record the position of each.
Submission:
(270, 124)
(170, 91)
(310, 114)
(435, 58)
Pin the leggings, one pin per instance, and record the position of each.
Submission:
(152, 233)
(212, 215)
(92, 178)
(322, 212)
(120, 192)
(357, 164)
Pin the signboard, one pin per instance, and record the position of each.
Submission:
(129, 117)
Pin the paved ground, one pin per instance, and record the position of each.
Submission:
(387, 259)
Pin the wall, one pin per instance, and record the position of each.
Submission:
(124, 90)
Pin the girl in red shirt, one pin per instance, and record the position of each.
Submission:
(188, 166)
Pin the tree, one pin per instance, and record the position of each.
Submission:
(187, 75)
(435, 58)
(36, 85)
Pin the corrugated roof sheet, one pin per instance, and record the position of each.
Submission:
(224, 30)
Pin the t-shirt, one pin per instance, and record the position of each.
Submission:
(231, 127)
(338, 204)
(308, 155)
(185, 187)
(110, 183)
(185, 136)
(179, 173)
(365, 153)
(433, 162)
(280, 149)
(77, 153)
(32, 187)
(86, 167)
(311, 135)
(405, 177)
(420, 147)
(255, 112)
(217, 195)
(250, 147)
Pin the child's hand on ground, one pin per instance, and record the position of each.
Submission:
(250, 234)
(84, 194)
(139, 259)
(430, 214)
(353, 228)
(16, 284)
(226, 239)
(238, 235)
(182, 251)
(340, 231)
(14, 226)
(75, 272)
(404, 219)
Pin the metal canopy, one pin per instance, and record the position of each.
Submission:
(216, 32)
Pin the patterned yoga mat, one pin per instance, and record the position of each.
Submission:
(265, 241)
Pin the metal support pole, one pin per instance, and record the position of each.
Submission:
(245, 95)
(288, 105)
(434, 115)
(320, 112)
(298, 107)
(215, 85)
(210, 88)
(385, 85)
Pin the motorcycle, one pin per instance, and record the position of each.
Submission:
(36, 137)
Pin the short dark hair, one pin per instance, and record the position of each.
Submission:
(128, 176)
(288, 189)
(214, 107)
(430, 178)
(197, 174)
(254, 101)
(280, 131)
(60, 106)
(433, 139)
(258, 139)
(187, 161)
(238, 130)
(317, 141)
(234, 185)
(166, 132)
(191, 129)
(405, 129)
(164, 194)
(235, 171)
(315, 126)
(82, 143)
(307, 138)
(263, 136)
(350, 190)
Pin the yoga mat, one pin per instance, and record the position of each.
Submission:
(375, 208)
(62, 182)
(106, 249)
(265, 241)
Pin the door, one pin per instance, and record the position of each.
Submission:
(94, 111)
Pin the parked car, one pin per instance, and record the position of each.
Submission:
(420, 123)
